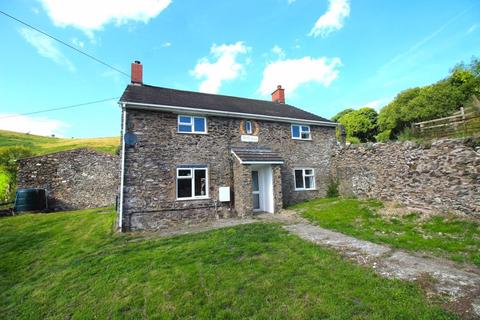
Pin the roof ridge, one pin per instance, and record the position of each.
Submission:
(219, 95)
(156, 95)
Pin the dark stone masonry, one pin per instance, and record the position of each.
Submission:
(150, 167)
(442, 176)
(75, 179)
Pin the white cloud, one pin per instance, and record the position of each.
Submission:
(78, 43)
(92, 15)
(472, 28)
(374, 104)
(331, 20)
(278, 51)
(166, 44)
(292, 73)
(35, 125)
(46, 47)
(225, 66)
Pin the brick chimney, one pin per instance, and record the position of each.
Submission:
(137, 73)
(278, 95)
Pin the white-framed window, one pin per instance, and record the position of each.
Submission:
(191, 124)
(248, 127)
(192, 183)
(301, 132)
(304, 178)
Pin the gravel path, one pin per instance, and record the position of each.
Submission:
(438, 276)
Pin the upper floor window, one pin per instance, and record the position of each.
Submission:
(304, 179)
(191, 124)
(301, 132)
(248, 127)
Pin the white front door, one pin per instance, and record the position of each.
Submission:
(262, 188)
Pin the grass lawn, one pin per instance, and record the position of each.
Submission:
(71, 265)
(43, 145)
(448, 237)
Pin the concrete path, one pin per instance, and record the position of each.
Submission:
(460, 285)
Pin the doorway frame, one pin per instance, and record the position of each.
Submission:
(265, 186)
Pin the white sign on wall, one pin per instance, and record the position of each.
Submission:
(248, 138)
(224, 194)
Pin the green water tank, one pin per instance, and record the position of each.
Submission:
(32, 199)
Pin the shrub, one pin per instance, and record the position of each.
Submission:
(8, 169)
(353, 140)
(406, 135)
(332, 189)
(383, 136)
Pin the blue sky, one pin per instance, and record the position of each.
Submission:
(328, 54)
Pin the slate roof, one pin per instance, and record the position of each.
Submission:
(179, 98)
(261, 155)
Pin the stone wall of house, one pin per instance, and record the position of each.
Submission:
(277, 188)
(74, 179)
(242, 189)
(150, 166)
(444, 175)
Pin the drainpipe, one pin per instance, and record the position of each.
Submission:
(122, 168)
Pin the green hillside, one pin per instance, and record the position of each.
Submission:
(44, 145)
(38, 145)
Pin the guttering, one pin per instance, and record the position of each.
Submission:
(262, 162)
(256, 162)
(122, 168)
(160, 107)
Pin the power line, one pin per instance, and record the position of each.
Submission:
(66, 44)
(61, 108)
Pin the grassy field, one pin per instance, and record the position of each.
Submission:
(72, 266)
(446, 236)
(43, 145)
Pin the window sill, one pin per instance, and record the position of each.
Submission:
(314, 189)
(192, 132)
(192, 199)
(298, 139)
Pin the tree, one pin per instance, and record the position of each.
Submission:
(336, 117)
(391, 116)
(440, 99)
(360, 124)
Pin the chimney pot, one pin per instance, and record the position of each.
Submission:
(278, 95)
(137, 72)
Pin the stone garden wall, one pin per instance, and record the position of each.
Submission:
(444, 175)
(75, 179)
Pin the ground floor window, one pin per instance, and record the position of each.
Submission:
(192, 183)
(304, 179)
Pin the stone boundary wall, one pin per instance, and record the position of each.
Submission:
(444, 175)
(74, 179)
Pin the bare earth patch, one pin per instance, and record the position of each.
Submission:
(458, 285)
(192, 229)
(392, 209)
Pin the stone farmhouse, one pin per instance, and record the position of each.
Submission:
(189, 157)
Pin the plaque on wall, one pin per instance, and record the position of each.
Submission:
(248, 138)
